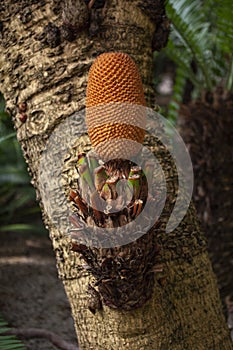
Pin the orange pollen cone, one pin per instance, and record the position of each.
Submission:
(115, 106)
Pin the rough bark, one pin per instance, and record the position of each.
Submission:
(206, 127)
(47, 68)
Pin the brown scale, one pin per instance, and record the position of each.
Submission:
(112, 173)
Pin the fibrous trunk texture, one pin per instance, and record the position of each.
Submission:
(44, 60)
(206, 126)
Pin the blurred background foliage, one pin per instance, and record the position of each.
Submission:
(199, 54)
(18, 208)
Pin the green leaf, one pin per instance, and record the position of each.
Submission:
(192, 31)
(7, 137)
(9, 342)
(20, 227)
(202, 32)
(13, 175)
(200, 45)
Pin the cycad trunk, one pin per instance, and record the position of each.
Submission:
(206, 127)
(40, 66)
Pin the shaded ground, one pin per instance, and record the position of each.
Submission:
(31, 295)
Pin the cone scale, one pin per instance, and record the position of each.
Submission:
(114, 106)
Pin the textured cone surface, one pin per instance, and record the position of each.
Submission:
(114, 97)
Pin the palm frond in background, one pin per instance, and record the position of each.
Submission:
(224, 34)
(8, 342)
(200, 45)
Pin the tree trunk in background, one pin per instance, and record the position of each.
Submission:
(40, 66)
(206, 127)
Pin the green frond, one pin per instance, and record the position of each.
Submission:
(8, 342)
(224, 34)
(205, 31)
(183, 62)
(178, 91)
(224, 24)
(192, 30)
(201, 37)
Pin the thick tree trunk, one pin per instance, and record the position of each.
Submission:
(41, 67)
(206, 127)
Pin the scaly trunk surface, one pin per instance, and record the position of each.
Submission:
(39, 65)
